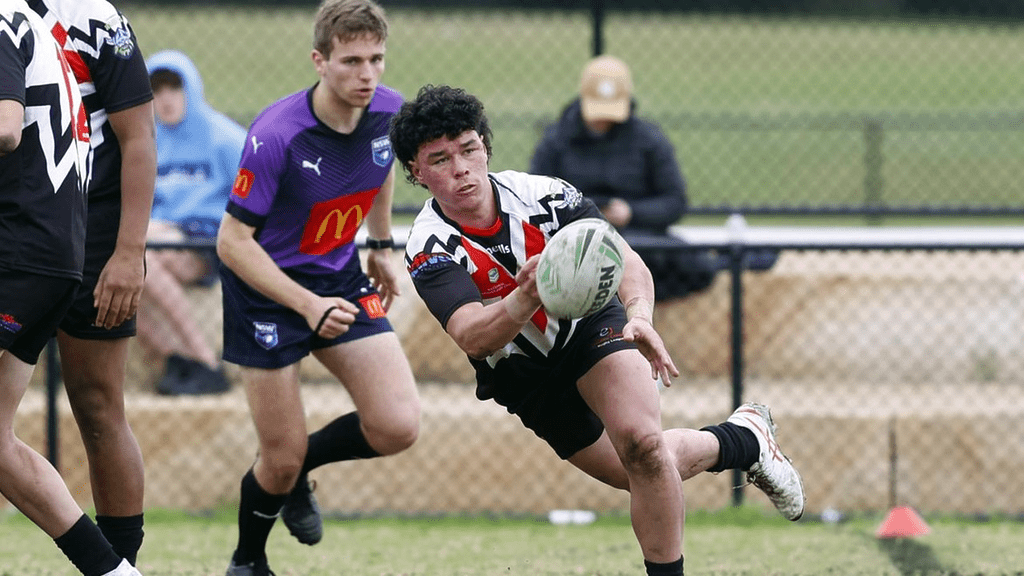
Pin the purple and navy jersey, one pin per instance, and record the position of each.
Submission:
(305, 187)
(452, 265)
(101, 48)
(43, 181)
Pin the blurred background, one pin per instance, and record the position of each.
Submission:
(894, 370)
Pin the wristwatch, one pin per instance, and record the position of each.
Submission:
(374, 244)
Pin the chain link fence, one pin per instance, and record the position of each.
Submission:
(775, 113)
(894, 374)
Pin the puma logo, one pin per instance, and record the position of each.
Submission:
(255, 145)
(312, 166)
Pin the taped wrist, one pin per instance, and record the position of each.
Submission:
(639, 307)
(517, 309)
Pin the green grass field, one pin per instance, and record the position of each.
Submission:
(731, 542)
(761, 110)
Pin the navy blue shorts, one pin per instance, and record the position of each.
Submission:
(100, 240)
(261, 333)
(542, 392)
(31, 307)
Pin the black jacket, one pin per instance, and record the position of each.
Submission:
(634, 161)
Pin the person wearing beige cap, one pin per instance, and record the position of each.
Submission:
(628, 167)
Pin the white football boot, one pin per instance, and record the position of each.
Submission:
(773, 472)
(124, 569)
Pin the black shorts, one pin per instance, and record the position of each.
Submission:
(100, 240)
(31, 307)
(542, 392)
(260, 333)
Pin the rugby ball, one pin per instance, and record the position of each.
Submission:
(580, 268)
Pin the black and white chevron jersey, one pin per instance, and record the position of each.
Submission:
(452, 265)
(99, 44)
(43, 181)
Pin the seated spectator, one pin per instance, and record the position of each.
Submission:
(628, 167)
(198, 150)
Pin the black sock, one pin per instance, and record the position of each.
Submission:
(739, 447)
(257, 512)
(340, 440)
(87, 549)
(669, 569)
(124, 534)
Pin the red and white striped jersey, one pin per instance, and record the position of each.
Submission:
(452, 265)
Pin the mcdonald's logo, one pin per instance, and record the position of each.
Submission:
(334, 223)
(243, 183)
(342, 220)
(373, 306)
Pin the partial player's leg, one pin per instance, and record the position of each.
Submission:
(27, 479)
(94, 375)
(34, 306)
(275, 404)
(618, 389)
(695, 452)
(377, 376)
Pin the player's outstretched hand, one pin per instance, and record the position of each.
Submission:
(526, 278)
(640, 331)
(330, 317)
(380, 271)
(119, 288)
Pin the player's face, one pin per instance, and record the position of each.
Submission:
(455, 172)
(352, 71)
(169, 105)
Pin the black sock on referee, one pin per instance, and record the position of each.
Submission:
(87, 549)
(739, 449)
(342, 439)
(257, 512)
(668, 569)
(124, 533)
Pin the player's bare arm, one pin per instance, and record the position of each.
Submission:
(637, 293)
(239, 251)
(482, 330)
(120, 283)
(12, 115)
(379, 266)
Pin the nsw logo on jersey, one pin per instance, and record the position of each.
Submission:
(381, 151)
(265, 334)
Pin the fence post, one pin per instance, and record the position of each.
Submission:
(597, 15)
(52, 419)
(736, 226)
(873, 185)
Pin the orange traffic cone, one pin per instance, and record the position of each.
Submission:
(902, 522)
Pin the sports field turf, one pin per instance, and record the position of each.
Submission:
(731, 542)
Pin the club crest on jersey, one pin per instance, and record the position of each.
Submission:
(381, 151)
(266, 334)
(571, 197)
(120, 38)
(492, 275)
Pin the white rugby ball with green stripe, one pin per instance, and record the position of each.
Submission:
(580, 268)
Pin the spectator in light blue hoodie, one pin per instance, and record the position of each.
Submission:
(198, 150)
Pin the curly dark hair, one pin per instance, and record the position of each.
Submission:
(437, 111)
